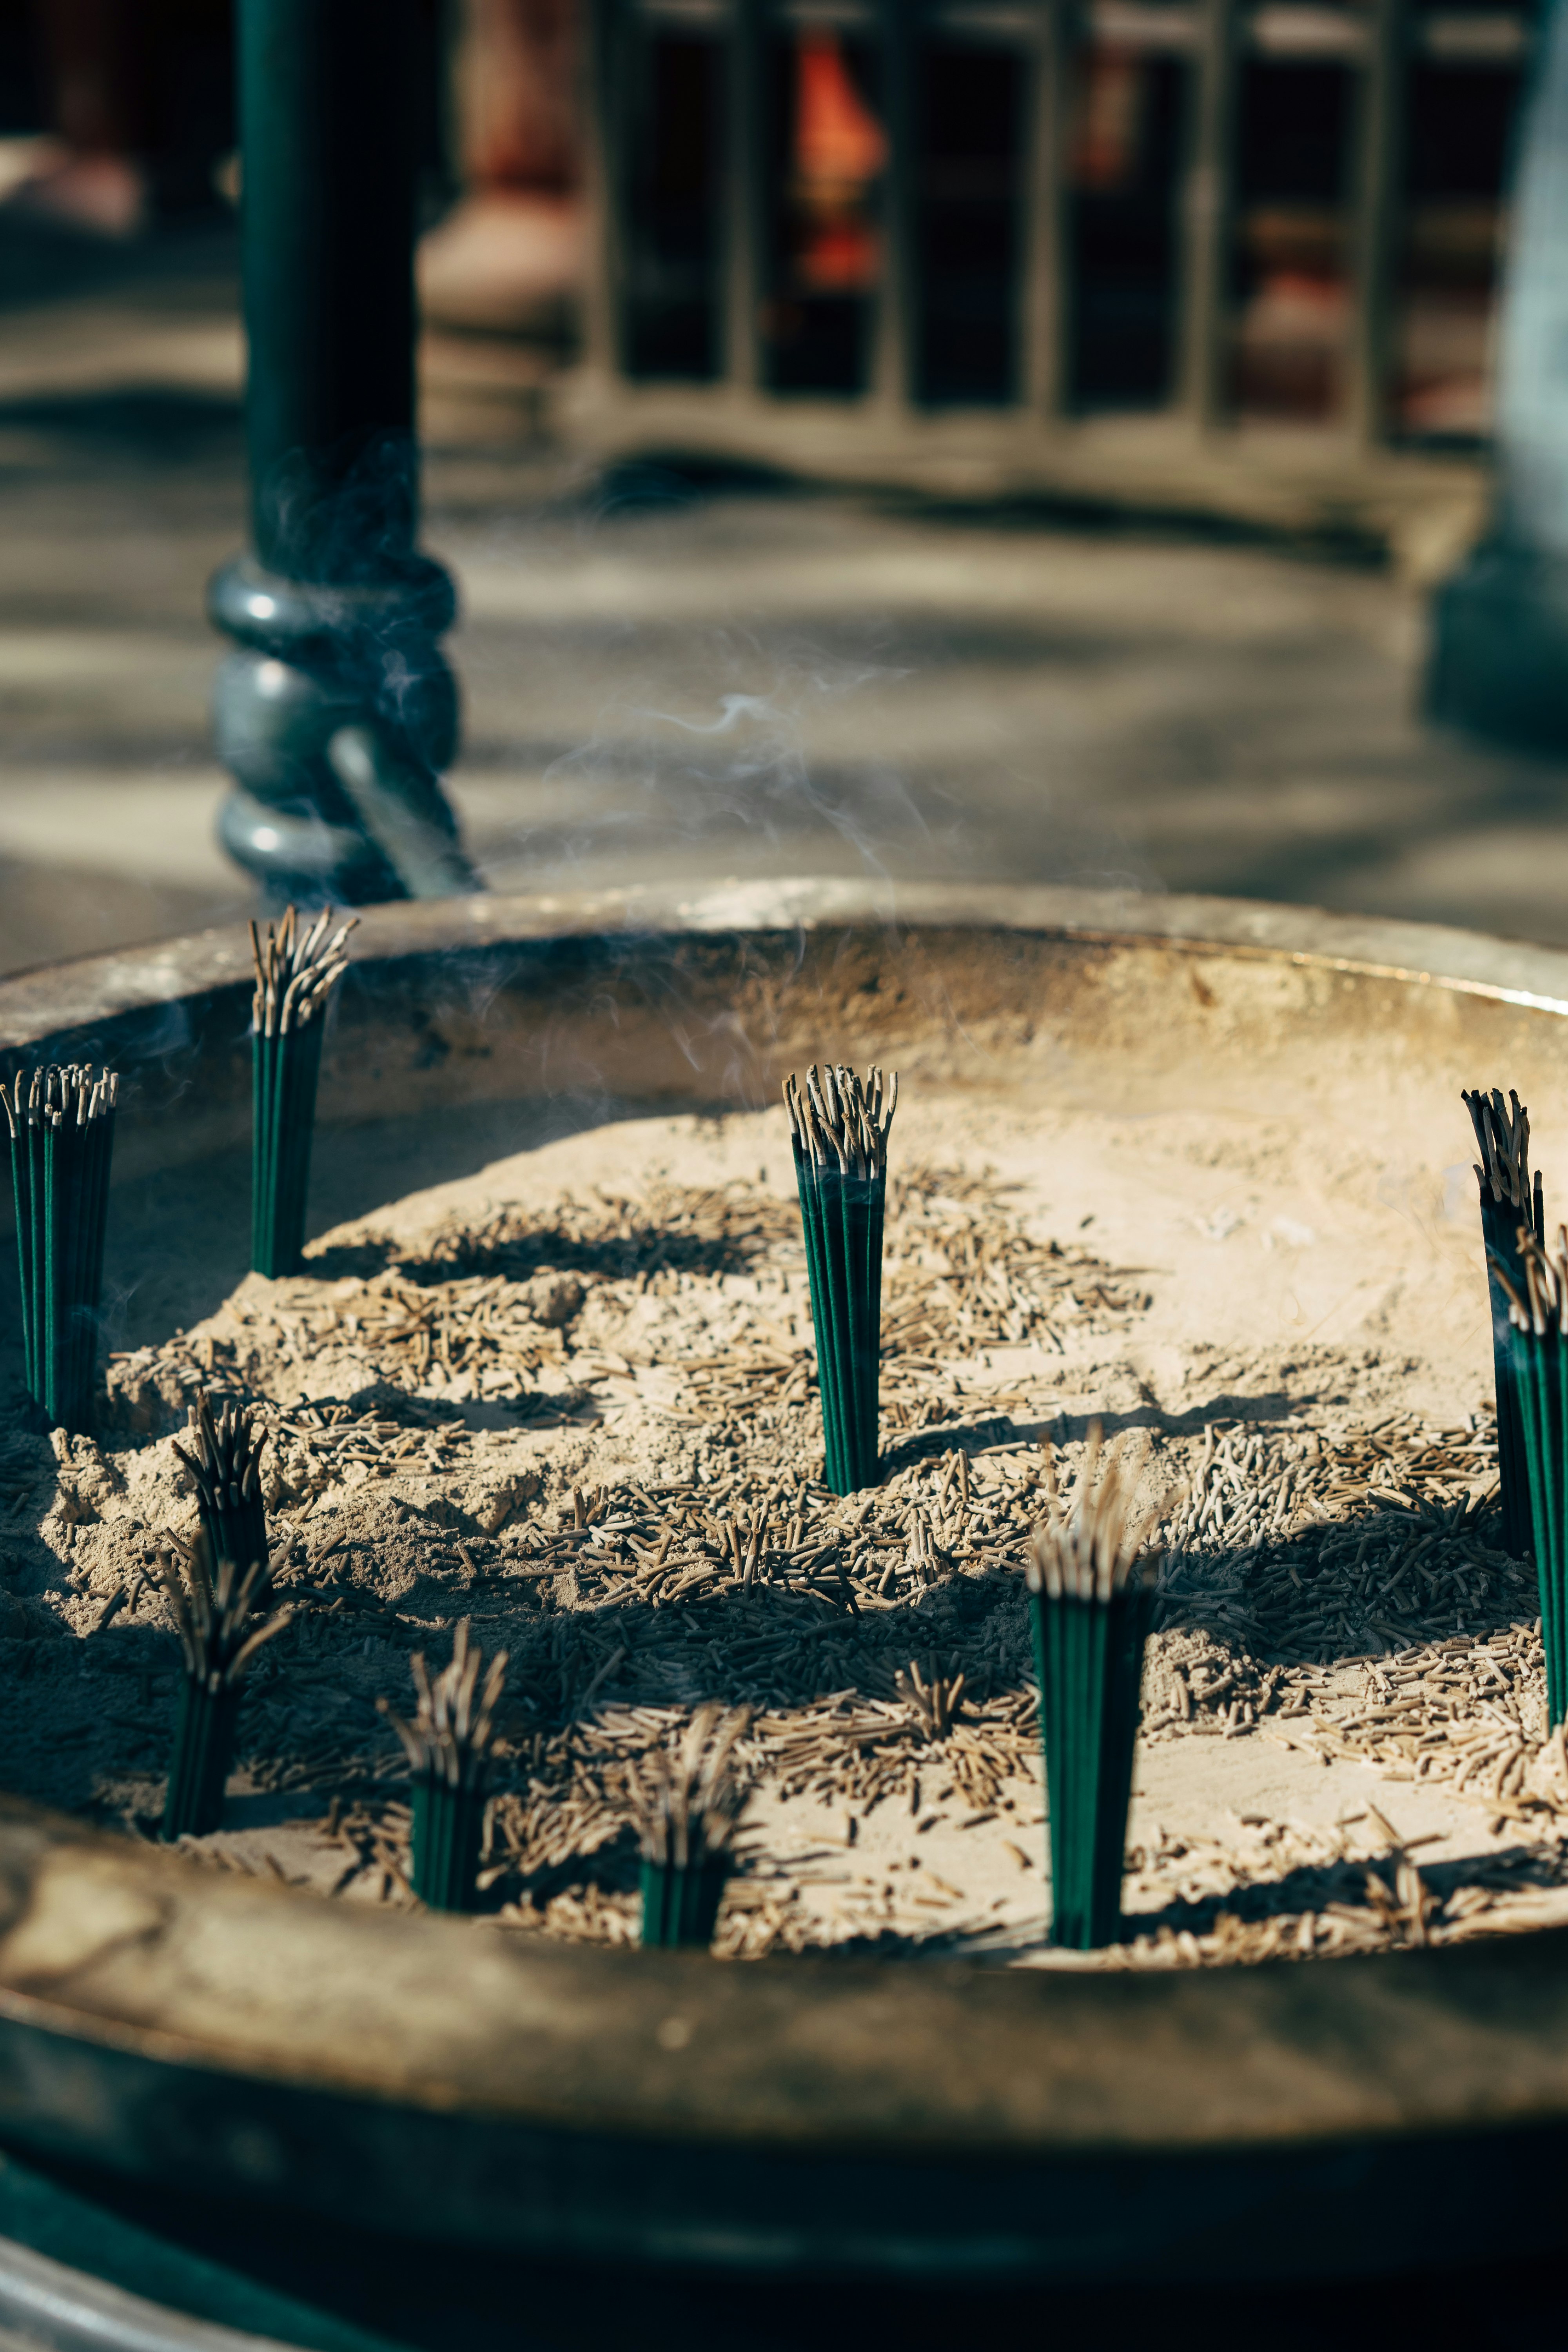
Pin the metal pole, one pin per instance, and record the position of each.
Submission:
(339, 712)
(1500, 627)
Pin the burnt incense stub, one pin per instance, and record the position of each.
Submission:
(932, 1698)
(61, 1124)
(1092, 1603)
(840, 1126)
(296, 973)
(224, 1462)
(217, 1612)
(1511, 1207)
(448, 1749)
(688, 1805)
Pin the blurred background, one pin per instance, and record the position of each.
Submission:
(1012, 441)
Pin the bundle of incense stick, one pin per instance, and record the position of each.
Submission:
(1091, 1600)
(216, 1616)
(686, 1806)
(62, 1136)
(448, 1747)
(1509, 1203)
(841, 1128)
(295, 975)
(1538, 1311)
(225, 1463)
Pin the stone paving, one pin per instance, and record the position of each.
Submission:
(670, 675)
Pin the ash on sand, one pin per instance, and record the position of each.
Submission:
(572, 1399)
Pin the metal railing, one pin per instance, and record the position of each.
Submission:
(693, 177)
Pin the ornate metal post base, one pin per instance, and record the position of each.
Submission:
(338, 713)
(335, 719)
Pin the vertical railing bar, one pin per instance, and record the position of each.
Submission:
(892, 370)
(1379, 157)
(1206, 217)
(1045, 291)
(603, 177)
(745, 213)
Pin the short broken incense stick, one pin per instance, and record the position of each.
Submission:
(448, 1750)
(1538, 1312)
(1508, 1203)
(840, 1128)
(61, 1123)
(1091, 1600)
(296, 972)
(686, 1806)
(216, 1613)
(225, 1463)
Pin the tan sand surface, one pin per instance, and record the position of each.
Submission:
(572, 1397)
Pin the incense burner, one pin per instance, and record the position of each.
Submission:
(234, 2043)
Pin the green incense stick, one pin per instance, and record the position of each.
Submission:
(448, 1750)
(217, 1615)
(226, 1467)
(1090, 1601)
(1510, 1204)
(294, 976)
(687, 1806)
(1538, 1312)
(61, 1123)
(840, 1128)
